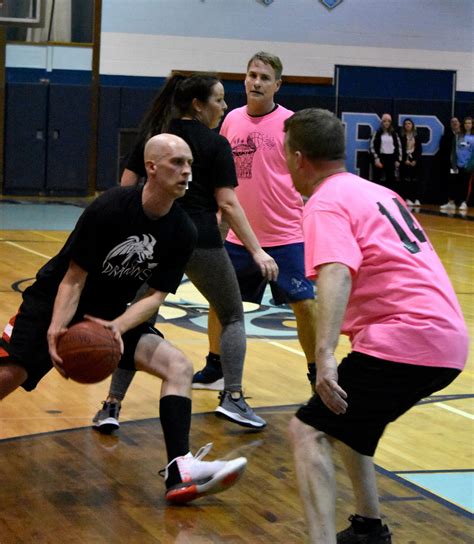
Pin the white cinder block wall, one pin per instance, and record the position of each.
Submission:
(152, 37)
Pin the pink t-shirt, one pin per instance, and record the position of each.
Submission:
(402, 306)
(266, 193)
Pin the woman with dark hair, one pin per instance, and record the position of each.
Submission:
(448, 162)
(386, 151)
(410, 165)
(460, 174)
(464, 153)
(190, 107)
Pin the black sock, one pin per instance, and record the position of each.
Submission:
(362, 525)
(175, 415)
(213, 360)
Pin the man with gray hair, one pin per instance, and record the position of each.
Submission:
(381, 283)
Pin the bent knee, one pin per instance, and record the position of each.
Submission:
(233, 321)
(230, 314)
(299, 432)
(163, 360)
(304, 307)
(11, 377)
(179, 368)
(297, 429)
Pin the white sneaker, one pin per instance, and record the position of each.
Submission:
(409, 202)
(463, 206)
(449, 206)
(200, 478)
(417, 202)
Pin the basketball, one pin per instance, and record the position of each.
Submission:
(89, 351)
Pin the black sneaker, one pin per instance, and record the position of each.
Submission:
(106, 419)
(210, 377)
(379, 535)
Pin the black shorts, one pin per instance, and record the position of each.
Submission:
(26, 344)
(378, 392)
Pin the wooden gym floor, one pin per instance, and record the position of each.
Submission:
(60, 481)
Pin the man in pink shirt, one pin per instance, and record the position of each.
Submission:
(273, 208)
(381, 283)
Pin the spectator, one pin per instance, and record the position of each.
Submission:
(410, 165)
(464, 152)
(386, 151)
(448, 162)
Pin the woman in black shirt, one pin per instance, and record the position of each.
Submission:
(410, 165)
(386, 152)
(191, 107)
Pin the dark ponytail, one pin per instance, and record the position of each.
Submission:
(175, 99)
(197, 86)
(160, 113)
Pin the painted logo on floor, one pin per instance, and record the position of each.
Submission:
(189, 309)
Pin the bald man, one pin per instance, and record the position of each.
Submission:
(126, 237)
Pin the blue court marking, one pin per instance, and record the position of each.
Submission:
(32, 216)
(454, 486)
(455, 490)
(266, 321)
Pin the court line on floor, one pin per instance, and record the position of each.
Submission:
(450, 232)
(14, 244)
(54, 238)
(437, 404)
(287, 348)
(113, 440)
(453, 410)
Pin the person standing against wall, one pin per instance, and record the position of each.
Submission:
(464, 153)
(448, 162)
(410, 167)
(386, 151)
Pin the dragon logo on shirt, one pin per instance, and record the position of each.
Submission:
(130, 258)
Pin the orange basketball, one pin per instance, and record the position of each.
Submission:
(89, 352)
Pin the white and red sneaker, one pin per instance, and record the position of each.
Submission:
(199, 478)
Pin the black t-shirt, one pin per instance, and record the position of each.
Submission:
(213, 167)
(121, 249)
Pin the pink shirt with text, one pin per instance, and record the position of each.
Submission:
(265, 191)
(402, 306)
